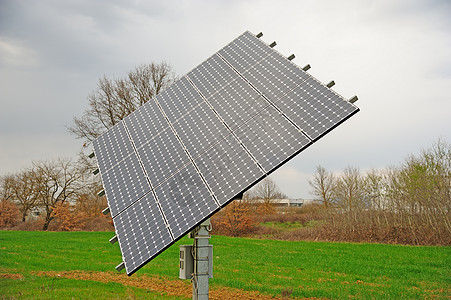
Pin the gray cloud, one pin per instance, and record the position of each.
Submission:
(393, 54)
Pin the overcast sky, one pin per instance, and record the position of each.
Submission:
(394, 55)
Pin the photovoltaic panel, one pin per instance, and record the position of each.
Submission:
(162, 156)
(237, 102)
(185, 200)
(124, 183)
(200, 128)
(141, 232)
(111, 148)
(178, 99)
(275, 78)
(212, 75)
(209, 137)
(306, 107)
(228, 169)
(146, 123)
(271, 139)
(245, 52)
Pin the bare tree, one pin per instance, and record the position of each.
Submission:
(6, 192)
(114, 99)
(348, 190)
(373, 185)
(267, 191)
(22, 189)
(323, 183)
(437, 159)
(58, 181)
(87, 199)
(420, 189)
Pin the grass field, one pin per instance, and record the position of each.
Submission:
(53, 265)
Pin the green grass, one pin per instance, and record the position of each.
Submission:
(304, 269)
(31, 287)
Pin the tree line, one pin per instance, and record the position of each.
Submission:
(47, 189)
(416, 195)
(405, 204)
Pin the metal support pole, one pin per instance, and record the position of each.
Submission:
(201, 251)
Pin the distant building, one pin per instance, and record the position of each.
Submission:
(286, 202)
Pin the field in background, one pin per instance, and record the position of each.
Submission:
(315, 222)
(81, 265)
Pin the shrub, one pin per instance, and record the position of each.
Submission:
(68, 218)
(30, 225)
(9, 213)
(370, 226)
(98, 223)
(235, 220)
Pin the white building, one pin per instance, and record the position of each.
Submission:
(289, 202)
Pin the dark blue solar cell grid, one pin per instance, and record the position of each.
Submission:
(212, 75)
(111, 147)
(199, 129)
(245, 51)
(124, 184)
(141, 232)
(185, 200)
(275, 77)
(237, 102)
(162, 156)
(180, 98)
(315, 108)
(228, 169)
(145, 123)
(271, 139)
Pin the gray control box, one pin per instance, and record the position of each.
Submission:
(186, 266)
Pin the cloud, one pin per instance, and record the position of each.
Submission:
(394, 54)
(292, 182)
(13, 54)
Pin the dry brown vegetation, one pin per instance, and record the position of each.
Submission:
(56, 195)
(315, 222)
(408, 204)
(236, 219)
(9, 213)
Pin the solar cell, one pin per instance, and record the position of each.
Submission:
(178, 99)
(199, 129)
(228, 169)
(214, 133)
(111, 147)
(124, 184)
(212, 75)
(271, 138)
(162, 156)
(244, 52)
(237, 102)
(141, 232)
(315, 108)
(185, 200)
(146, 123)
(274, 77)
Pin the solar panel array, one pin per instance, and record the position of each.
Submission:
(214, 133)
